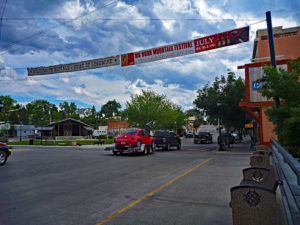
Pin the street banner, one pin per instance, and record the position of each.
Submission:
(78, 66)
(219, 40)
(159, 53)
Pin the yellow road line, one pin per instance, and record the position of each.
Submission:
(152, 193)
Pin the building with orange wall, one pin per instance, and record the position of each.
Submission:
(117, 127)
(287, 47)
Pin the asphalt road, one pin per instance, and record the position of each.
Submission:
(88, 186)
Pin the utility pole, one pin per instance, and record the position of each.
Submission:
(272, 48)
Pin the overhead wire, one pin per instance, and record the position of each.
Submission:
(104, 19)
(164, 60)
(2, 18)
(47, 37)
(118, 68)
(64, 23)
(125, 19)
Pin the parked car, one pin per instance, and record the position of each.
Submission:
(166, 140)
(4, 153)
(237, 137)
(226, 138)
(189, 134)
(134, 140)
(203, 137)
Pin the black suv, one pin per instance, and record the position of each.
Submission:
(203, 137)
(4, 153)
(166, 140)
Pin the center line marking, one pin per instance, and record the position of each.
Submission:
(152, 193)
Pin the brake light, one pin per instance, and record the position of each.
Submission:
(164, 139)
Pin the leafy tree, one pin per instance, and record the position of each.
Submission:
(230, 91)
(94, 111)
(195, 112)
(111, 108)
(153, 111)
(69, 110)
(8, 104)
(93, 119)
(39, 112)
(286, 117)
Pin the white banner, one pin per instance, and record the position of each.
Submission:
(84, 65)
(164, 52)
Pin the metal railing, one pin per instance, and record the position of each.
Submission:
(289, 170)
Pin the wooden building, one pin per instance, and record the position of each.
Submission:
(67, 127)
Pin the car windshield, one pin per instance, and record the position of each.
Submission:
(130, 131)
(161, 133)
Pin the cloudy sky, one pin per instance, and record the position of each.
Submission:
(47, 32)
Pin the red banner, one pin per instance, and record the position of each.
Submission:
(219, 40)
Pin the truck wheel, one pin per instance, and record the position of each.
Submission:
(138, 144)
(115, 152)
(3, 157)
(152, 147)
(179, 146)
(146, 150)
(168, 147)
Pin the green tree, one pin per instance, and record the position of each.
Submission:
(286, 117)
(230, 91)
(153, 111)
(69, 110)
(111, 108)
(93, 119)
(39, 112)
(8, 104)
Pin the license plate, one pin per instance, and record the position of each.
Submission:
(123, 143)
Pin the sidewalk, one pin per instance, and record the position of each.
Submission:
(243, 147)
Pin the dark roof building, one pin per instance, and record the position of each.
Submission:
(66, 127)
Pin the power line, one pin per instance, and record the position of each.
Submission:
(125, 19)
(15, 43)
(64, 23)
(119, 68)
(160, 61)
(2, 17)
(5, 51)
